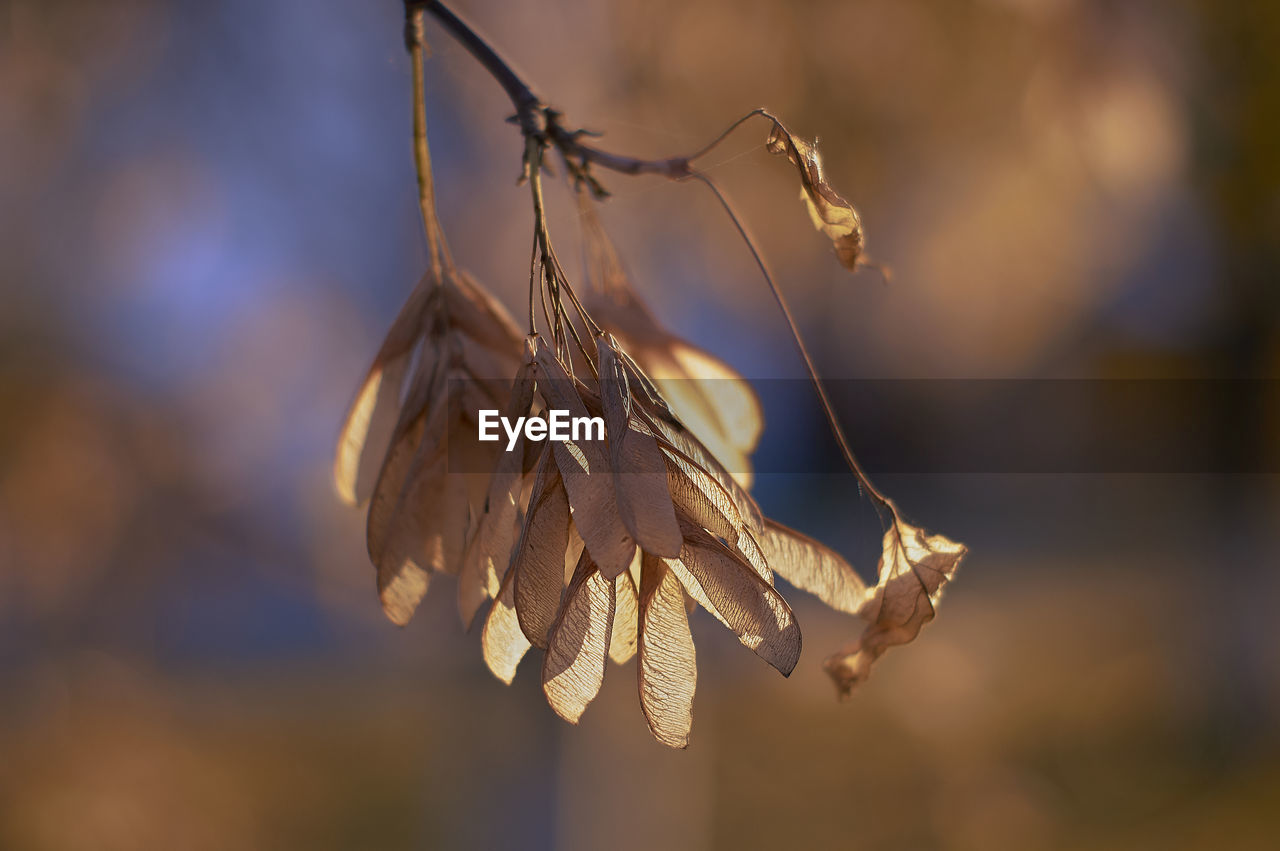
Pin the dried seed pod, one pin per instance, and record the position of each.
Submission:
(498, 523)
(538, 562)
(639, 472)
(410, 444)
(578, 647)
(706, 394)
(587, 473)
(668, 669)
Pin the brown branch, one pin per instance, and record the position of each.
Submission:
(542, 125)
(537, 119)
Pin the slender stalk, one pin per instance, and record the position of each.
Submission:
(416, 43)
(533, 262)
(827, 409)
(710, 146)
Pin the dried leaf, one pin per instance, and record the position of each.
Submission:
(730, 589)
(667, 670)
(578, 647)
(639, 473)
(914, 569)
(830, 213)
(813, 567)
(585, 469)
(538, 563)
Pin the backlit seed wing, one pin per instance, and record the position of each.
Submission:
(701, 499)
(367, 430)
(622, 644)
(727, 586)
(588, 480)
(538, 564)
(490, 550)
(429, 525)
(427, 534)
(472, 591)
(578, 647)
(711, 400)
(667, 669)
(813, 567)
(639, 474)
(677, 441)
(572, 553)
(739, 415)
(406, 448)
(705, 393)
(503, 642)
(371, 419)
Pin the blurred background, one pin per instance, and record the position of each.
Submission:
(208, 219)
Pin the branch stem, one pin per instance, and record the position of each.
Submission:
(541, 126)
(534, 117)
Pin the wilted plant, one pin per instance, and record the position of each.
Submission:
(595, 550)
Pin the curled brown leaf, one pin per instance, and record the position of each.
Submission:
(914, 569)
(831, 214)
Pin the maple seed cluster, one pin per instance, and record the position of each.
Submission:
(595, 547)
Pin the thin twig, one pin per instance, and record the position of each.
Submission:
(535, 118)
(522, 96)
(815, 379)
(710, 146)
